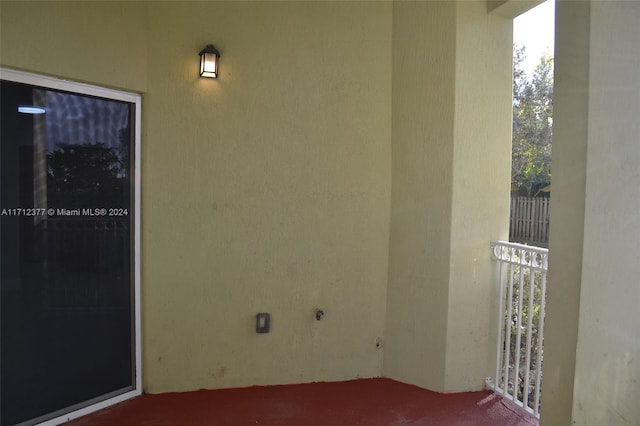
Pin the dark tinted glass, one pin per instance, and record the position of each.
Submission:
(65, 259)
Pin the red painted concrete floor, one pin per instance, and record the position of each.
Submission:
(367, 402)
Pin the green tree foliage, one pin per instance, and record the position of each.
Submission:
(532, 126)
(86, 175)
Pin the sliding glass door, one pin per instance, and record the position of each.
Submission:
(68, 254)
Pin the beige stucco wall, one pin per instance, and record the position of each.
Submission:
(422, 158)
(450, 190)
(102, 42)
(593, 286)
(481, 187)
(608, 350)
(266, 190)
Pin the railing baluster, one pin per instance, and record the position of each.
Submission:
(543, 292)
(518, 328)
(507, 325)
(525, 394)
(503, 279)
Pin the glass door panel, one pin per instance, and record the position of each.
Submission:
(67, 237)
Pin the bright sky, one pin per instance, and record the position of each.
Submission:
(535, 30)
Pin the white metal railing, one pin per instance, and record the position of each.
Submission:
(523, 280)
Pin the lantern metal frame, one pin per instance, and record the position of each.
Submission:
(209, 62)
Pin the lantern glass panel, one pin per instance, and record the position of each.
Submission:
(209, 65)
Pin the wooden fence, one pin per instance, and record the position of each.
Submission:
(529, 221)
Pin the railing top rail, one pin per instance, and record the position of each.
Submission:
(520, 254)
(533, 249)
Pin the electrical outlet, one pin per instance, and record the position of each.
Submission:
(263, 322)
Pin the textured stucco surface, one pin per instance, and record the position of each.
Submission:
(422, 159)
(608, 349)
(450, 190)
(101, 42)
(480, 197)
(592, 344)
(266, 190)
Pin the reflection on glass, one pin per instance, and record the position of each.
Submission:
(65, 259)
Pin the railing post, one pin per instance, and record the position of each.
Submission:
(503, 278)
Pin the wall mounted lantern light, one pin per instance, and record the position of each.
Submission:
(209, 58)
